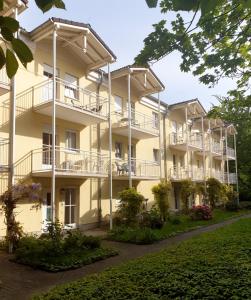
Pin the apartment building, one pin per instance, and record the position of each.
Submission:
(86, 134)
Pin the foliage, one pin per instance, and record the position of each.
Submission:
(186, 191)
(130, 205)
(9, 199)
(236, 109)
(135, 235)
(161, 193)
(201, 212)
(232, 206)
(13, 48)
(152, 219)
(213, 265)
(176, 224)
(53, 252)
(214, 189)
(245, 205)
(213, 43)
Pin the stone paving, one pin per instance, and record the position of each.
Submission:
(20, 282)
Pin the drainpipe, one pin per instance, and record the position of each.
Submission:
(99, 147)
(129, 131)
(110, 143)
(53, 179)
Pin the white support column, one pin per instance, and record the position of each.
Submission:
(227, 157)
(110, 143)
(210, 149)
(160, 152)
(187, 141)
(129, 132)
(204, 154)
(236, 170)
(12, 130)
(54, 88)
(222, 155)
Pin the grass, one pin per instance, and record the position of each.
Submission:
(214, 265)
(174, 226)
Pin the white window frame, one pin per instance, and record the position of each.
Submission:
(118, 108)
(71, 86)
(156, 155)
(74, 206)
(121, 150)
(155, 117)
(66, 140)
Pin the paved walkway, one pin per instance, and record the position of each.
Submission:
(20, 282)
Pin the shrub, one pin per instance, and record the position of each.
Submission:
(232, 206)
(175, 220)
(130, 205)
(161, 193)
(245, 205)
(152, 219)
(76, 240)
(201, 212)
(214, 190)
(186, 191)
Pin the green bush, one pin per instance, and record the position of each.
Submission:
(175, 220)
(232, 206)
(75, 239)
(161, 193)
(245, 204)
(151, 219)
(214, 190)
(186, 191)
(201, 212)
(130, 205)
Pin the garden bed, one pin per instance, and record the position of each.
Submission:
(213, 265)
(65, 262)
(175, 225)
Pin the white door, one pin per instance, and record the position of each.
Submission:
(47, 90)
(70, 207)
(118, 105)
(71, 83)
(46, 210)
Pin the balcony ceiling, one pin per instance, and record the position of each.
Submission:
(68, 113)
(4, 88)
(65, 174)
(8, 6)
(137, 133)
(78, 38)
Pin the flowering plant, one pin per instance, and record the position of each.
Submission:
(201, 212)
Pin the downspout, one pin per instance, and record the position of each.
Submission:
(101, 80)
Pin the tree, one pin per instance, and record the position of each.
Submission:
(214, 189)
(214, 43)
(161, 193)
(13, 47)
(186, 191)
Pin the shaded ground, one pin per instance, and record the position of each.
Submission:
(20, 282)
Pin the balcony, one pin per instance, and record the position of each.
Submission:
(4, 154)
(141, 169)
(231, 178)
(73, 103)
(198, 174)
(216, 150)
(229, 153)
(142, 126)
(177, 174)
(73, 163)
(4, 82)
(181, 142)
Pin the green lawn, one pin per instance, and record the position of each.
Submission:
(214, 265)
(174, 226)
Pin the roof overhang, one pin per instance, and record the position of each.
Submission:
(143, 79)
(9, 5)
(80, 38)
(194, 108)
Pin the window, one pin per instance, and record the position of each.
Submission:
(118, 104)
(71, 140)
(156, 155)
(47, 89)
(155, 119)
(70, 207)
(71, 83)
(182, 163)
(118, 150)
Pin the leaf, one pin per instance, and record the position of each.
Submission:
(152, 3)
(46, 5)
(10, 23)
(22, 50)
(185, 5)
(7, 34)
(2, 58)
(207, 6)
(246, 3)
(11, 63)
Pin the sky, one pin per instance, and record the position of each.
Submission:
(123, 25)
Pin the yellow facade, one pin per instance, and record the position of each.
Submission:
(82, 132)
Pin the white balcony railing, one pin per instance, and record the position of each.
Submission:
(216, 147)
(139, 168)
(138, 121)
(4, 149)
(229, 152)
(179, 173)
(198, 174)
(194, 140)
(230, 178)
(67, 94)
(68, 161)
(4, 79)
